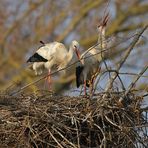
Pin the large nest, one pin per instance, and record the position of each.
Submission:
(53, 121)
(110, 119)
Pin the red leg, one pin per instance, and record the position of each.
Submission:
(85, 88)
(49, 79)
(92, 87)
(92, 81)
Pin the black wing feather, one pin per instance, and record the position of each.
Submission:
(37, 58)
(79, 70)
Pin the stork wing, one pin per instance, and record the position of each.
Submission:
(79, 70)
(37, 58)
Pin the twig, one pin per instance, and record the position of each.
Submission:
(111, 122)
(54, 138)
(38, 80)
(104, 137)
(122, 84)
(132, 74)
(144, 109)
(107, 40)
(77, 130)
(135, 80)
(18, 22)
(110, 83)
(64, 137)
(79, 16)
(138, 126)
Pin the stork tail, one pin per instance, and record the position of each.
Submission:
(79, 70)
(37, 58)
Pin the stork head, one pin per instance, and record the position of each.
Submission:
(43, 43)
(103, 24)
(75, 46)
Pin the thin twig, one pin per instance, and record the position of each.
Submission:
(77, 130)
(64, 137)
(54, 138)
(132, 74)
(110, 83)
(104, 137)
(111, 122)
(135, 80)
(38, 80)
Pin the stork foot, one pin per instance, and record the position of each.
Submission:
(48, 83)
(48, 79)
(86, 96)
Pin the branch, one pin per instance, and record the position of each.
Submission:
(82, 13)
(54, 138)
(117, 23)
(59, 89)
(135, 80)
(64, 137)
(17, 23)
(110, 83)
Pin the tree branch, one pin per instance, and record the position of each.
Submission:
(110, 83)
(82, 13)
(17, 23)
(135, 80)
(121, 18)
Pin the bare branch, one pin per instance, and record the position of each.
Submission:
(135, 80)
(17, 23)
(110, 83)
(82, 13)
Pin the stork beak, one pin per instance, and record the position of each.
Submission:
(104, 22)
(77, 52)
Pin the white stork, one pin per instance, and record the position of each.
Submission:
(90, 60)
(52, 54)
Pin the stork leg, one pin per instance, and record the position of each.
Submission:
(92, 90)
(92, 87)
(49, 79)
(85, 93)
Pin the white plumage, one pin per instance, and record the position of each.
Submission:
(51, 55)
(90, 60)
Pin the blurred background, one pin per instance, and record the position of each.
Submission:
(23, 23)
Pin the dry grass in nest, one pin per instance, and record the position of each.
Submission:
(56, 121)
(109, 120)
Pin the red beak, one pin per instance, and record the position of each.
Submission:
(77, 53)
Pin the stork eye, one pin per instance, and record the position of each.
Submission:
(75, 46)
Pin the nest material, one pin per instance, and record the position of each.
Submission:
(52, 121)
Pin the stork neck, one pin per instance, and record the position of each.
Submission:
(70, 53)
(101, 38)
